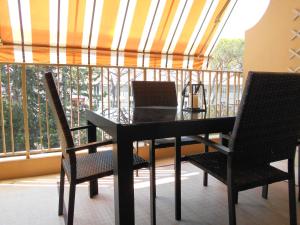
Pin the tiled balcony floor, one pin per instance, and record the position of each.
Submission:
(33, 201)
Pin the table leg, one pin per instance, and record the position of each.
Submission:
(92, 137)
(178, 178)
(123, 179)
(265, 190)
(152, 183)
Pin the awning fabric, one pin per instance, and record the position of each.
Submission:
(143, 33)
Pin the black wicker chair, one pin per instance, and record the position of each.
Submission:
(78, 167)
(265, 131)
(157, 94)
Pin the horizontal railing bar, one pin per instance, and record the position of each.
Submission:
(121, 67)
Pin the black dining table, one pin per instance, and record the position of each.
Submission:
(126, 125)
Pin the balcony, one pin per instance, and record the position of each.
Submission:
(95, 49)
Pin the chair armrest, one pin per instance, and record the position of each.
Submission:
(80, 128)
(88, 145)
(221, 148)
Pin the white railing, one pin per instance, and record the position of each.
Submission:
(26, 123)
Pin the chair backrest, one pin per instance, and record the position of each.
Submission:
(62, 125)
(268, 119)
(154, 93)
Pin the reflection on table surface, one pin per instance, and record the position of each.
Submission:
(127, 116)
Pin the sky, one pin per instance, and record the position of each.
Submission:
(244, 16)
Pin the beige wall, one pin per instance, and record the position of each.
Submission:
(17, 168)
(267, 44)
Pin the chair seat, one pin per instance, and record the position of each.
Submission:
(215, 163)
(98, 165)
(170, 142)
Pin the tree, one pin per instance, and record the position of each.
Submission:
(228, 55)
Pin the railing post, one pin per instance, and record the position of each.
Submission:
(2, 117)
(234, 93)
(71, 100)
(217, 90)
(25, 112)
(209, 92)
(119, 89)
(78, 106)
(145, 74)
(108, 90)
(90, 87)
(12, 142)
(129, 90)
(159, 74)
(239, 86)
(47, 125)
(227, 92)
(39, 108)
(102, 91)
(177, 85)
(221, 89)
(134, 74)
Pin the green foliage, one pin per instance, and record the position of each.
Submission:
(12, 81)
(228, 55)
(71, 82)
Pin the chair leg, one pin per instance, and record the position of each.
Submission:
(137, 153)
(93, 187)
(231, 205)
(70, 217)
(265, 191)
(236, 197)
(205, 175)
(292, 193)
(152, 183)
(298, 148)
(152, 167)
(61, 191)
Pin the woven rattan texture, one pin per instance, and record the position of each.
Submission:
(268, 120)
(98, 164)
(62, 125)
(216, 164)
(154, 93)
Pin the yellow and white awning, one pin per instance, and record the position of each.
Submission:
(147, 33)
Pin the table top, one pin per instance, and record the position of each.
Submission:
(144, 115)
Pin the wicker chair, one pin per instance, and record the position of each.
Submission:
(78, 167)
(265, 131)
(265, 189)
(157, 94)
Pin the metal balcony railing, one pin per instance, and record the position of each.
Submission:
(26, 123)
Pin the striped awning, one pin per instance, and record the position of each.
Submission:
(143, 33)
